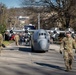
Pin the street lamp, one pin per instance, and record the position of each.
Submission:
(39, 10)
(38, 20)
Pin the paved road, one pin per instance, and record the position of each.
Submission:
(21, 61)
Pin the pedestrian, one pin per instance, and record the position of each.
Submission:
(21, 38)
(16, 38)
(1, 41)
(7, 37)
(67, 45)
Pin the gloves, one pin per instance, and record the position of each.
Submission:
(60, 52)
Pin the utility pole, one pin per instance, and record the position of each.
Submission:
(38, 20)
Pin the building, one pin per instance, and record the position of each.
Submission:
(23, 20)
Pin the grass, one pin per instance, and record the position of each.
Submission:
(7, 42)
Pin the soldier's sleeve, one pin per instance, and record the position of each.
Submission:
(62, 45)
(74, 44)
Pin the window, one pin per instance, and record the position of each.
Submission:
(42, 34)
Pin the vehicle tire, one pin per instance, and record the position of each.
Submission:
(32, 49)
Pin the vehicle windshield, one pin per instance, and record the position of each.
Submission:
(29, 27)
(42, 33)
(54, 28)
(69, 29)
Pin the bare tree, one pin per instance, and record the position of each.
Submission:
(64, 8)
(2, 13)
(3, 17)
(34, 8)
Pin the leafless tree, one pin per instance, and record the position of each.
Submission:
(64, 8)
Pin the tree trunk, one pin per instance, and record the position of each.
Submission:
(67, 20)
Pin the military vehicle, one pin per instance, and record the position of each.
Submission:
(40, 40)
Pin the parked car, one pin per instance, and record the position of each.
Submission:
(29, 27)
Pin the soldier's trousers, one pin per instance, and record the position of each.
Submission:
(17, 43)
(68, 58)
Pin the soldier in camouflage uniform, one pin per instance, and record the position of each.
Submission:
(16, 38)
(67, 45)
(1, 41)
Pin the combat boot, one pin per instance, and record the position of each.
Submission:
(67, 69)
(70, 67)
(70, 64)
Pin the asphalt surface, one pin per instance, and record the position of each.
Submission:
(19, 60)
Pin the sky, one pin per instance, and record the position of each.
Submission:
(11, 3)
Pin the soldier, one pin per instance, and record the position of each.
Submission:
(16, 38)
(75, 38)
(67, 45)
(1, 41)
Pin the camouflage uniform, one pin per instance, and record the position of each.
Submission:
(16, 38)
(75, 38)
(1, 41)
(67, 47)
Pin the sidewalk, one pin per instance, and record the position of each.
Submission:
(9, 46)
(12, 44)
